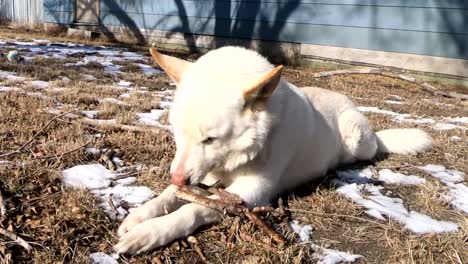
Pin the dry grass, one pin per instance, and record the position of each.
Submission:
(66, 225)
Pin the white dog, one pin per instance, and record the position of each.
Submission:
(238, 123)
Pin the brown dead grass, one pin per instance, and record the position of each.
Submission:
(66, 225)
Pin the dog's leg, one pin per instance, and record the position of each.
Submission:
(357, 136)
(254, 190)
(159, 231)
(165, 203)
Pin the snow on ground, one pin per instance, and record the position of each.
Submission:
(10, 89)
(39, 84)
(359, 186)
(304, 232)
(104, 55)
(88, 77)
(102, 258)
(445, 123)
(321, 254)
(112, 101)
(90, 113)
(332, 256)
(394, 102)
(115, 189)
(454, 180)
(151, 118)
(390, 177)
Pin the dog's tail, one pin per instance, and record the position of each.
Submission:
(403, 141)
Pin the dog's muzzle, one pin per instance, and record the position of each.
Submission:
(178, 178)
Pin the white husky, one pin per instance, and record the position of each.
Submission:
(237, 122)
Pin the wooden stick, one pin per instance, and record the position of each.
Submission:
(15, 238)
(424, 85)
(217, 205)
(265, 227)
(234, 209)
(233, 231)
(18, 150)
(2, 206)
(199, 252)
(65, 153)
(99, 123)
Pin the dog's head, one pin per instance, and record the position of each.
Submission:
(219, 115)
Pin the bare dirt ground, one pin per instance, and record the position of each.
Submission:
(66, 225)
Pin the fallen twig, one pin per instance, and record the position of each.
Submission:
(65, 153)
(2, 206)
(199, 252)
(100, 123)
(18, 150)
(424, 85)
(233, 231)
(265, 227)
(106, 158)
(5, 255)
(233, 209)
(15, 238)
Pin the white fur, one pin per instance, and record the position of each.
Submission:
(256, 154)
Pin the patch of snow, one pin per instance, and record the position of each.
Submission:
(66, 80)
(412, 120)
(39, 84)
(463, 119)
(135, 195)
(444, 175)
(112, 69)
(381, 205)
(165, 104)
(56, 90)
(391, 177)
(393, 102)
(93, 151)
(9, 89)
(106, 121)
(88, 77)
(90, 113)
(445, 126)
(123, 83)
(304, 232)
(395, 97)
(456, 138)
(377, 110)
(112, 101)
(102, 258)
(92, 176)
(355, 176)
(151, 119)
(125, 95)
(148, 70)
(332, 256)
(454, 180)
(126, 181)
(15, 78)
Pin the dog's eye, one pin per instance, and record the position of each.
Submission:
(208, 140)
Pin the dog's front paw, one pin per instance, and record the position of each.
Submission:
(134, 218)
(148, 235)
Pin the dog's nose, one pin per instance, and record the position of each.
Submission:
(178, 179)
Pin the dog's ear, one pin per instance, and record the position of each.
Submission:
(173, 66)
(258, 94)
